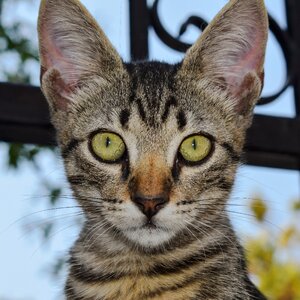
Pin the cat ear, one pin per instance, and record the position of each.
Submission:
(231, 52)
(73, 48)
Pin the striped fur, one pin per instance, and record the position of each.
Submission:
(188, 250)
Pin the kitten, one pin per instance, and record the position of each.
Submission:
(151, 151)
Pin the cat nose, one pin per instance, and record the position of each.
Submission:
(150, 205)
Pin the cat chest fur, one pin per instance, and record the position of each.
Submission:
(193, 273)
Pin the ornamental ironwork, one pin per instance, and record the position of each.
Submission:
(272, 141)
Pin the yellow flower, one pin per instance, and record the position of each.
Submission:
(259, 208)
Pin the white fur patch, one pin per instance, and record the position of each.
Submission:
(166, 225)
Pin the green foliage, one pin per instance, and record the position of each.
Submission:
(14, 42)
(58, 266)
(55, 195)
(20, 152)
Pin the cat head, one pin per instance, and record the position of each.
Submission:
(151, 149)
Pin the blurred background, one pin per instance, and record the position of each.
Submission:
(39, 220)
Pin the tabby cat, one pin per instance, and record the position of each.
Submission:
(151, 151)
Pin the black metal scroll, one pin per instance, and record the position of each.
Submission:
(175, 43)
(272, 141)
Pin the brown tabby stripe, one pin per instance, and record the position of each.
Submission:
(190, 261)
(186, 202)
(76, 179)
(224, 184)
(217, 168)
(69, 148)
(171, 102)
(133, 86)
(220, 182)
(233, 154)
(124, 117)
(86, 166)
(141, 109)
(80, 180)
(83, 274)
(125, 169)
(187, 281)
(210, 274)
(176, 170)
(181, 119)
(71, 295)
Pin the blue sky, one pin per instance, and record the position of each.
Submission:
(24, 257)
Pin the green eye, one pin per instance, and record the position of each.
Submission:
(108, 146)
(195, 148)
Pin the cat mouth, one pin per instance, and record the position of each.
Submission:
(150, 225)
(149, 235)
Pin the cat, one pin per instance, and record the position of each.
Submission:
(151, 151)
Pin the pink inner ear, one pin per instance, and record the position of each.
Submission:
(250, 62)
(63, 91)
(54, 58)
(63, 78)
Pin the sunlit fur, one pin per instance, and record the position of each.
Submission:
(190, 250)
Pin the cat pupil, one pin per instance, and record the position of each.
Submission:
(194, 144)
(107, 142)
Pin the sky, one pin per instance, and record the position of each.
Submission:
(25, 258)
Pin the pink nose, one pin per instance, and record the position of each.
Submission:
(150, 205)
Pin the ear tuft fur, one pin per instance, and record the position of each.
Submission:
(231, 50)
(73, 48)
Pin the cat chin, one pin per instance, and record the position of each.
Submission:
(149, 237)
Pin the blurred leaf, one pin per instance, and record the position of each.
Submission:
(259, 208)
(58, 266)
(296, 205)
(287, 235)
(20, 152)
(31, 154)
(47, 230)
(260, 254)
(20, 77)
(14, 154)
(54, 195)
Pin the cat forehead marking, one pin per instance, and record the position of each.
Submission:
(152, 92)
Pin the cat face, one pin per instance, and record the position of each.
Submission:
(151, 149)
(152, 117)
